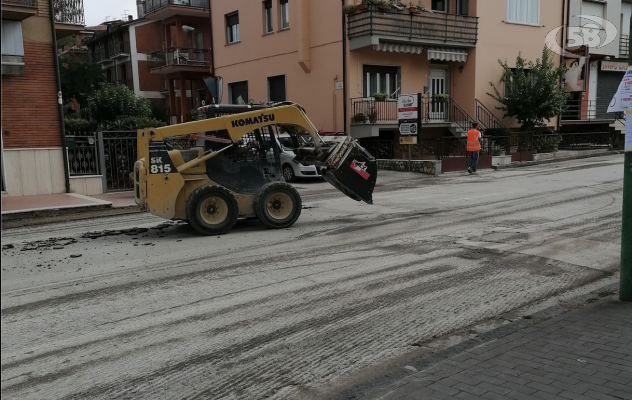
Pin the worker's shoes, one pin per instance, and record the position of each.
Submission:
(469, 169)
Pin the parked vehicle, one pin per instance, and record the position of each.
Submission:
(293, 169)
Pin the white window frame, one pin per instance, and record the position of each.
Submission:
(525, 20)
(232, 31)
(16, 35)
(284, 9)
(267, 12)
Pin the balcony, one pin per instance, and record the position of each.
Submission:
(118, 49)
(624, 46)
(179, 60)
(18, 9)
(69, 17)
(371, 27)
(162, 9)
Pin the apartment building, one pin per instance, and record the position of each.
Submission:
(603, 64)
(447, 50)
(178, 54)
(32, 154)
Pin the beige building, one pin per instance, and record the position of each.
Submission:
(312, 53)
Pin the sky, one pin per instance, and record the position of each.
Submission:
(96, 11)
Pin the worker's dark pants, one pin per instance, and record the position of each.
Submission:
(474, 160)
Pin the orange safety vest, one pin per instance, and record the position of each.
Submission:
(473, 144)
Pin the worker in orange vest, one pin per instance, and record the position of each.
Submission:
(473, 146)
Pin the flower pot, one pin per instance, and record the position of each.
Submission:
(362, 6)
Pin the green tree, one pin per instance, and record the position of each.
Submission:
(533, 90)
(117, 103)
(79, 79)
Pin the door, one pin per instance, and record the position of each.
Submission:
(199, 46)
(437, 109)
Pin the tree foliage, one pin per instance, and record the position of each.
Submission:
(117, 103)
(533, 90)
(79, 78)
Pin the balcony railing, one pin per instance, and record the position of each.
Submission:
(437, 27)
(432, 111)
(153, 5)
(69, 12)
(179, 57)
(624, 46)
(20, 3)
(118, 48)
(578, 110)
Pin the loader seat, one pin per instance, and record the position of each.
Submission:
(190, 154)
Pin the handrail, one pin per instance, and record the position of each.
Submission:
(488, 120)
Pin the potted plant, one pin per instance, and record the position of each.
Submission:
(412, 8)
(384, 4)
(440, 98)
(364, 5)
(421, 6)
(380, 96)
(372, 114)
(349, 8)
(359, 117)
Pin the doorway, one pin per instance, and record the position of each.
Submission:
(437, 109)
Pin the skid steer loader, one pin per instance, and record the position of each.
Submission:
(233, 170)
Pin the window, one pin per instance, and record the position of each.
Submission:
(463, 7)
(440, 5)
(379, 79)
(232, 28)
(238, 92)
(276, 88)
(523, 11)
(285, 14)
(12, 44)
(267, 16)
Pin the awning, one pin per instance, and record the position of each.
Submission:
(398, 48)
(458, 55)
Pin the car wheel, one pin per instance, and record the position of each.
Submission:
(288, 173)
(212, 210)
(278, 205)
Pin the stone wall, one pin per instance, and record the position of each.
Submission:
(431, 167)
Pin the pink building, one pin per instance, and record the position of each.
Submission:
(334, 63)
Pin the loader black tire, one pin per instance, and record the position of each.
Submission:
(278, 205)
(212, 210)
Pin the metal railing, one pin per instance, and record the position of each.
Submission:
(153, 5)
(82, 154)
(432, 26)
(374, 111)
(21, 3)
(491, 124)
(69, 11)
(179, 56)
(579, 110)
(118, 48)
(624, 46)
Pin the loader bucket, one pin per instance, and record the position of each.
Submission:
(352, 170)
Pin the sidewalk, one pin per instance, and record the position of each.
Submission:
(585, 354)
(27, 206)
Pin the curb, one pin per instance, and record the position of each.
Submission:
(554, 160)
(390, 380)
(43, 217)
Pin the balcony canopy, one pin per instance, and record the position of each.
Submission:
(447, 54)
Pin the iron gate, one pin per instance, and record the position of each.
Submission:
(118, 152)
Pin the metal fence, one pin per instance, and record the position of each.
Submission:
(23, 3)
(624, 43)
(118, 153)
(82, 152)
(179, 56)
(153, 5)
(69, 11)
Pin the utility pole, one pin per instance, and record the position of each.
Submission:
(625, 293)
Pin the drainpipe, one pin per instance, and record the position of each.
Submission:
(565, 22)
(59, 98)
(344, 70)
(210, 21)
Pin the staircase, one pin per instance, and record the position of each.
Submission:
(619, 123)
(489, 122)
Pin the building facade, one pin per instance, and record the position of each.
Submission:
(32, 155)
(448, 50)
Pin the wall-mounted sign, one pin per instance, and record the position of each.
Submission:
(408, 128)
(340, 85)
(576, 73)
(614, 66)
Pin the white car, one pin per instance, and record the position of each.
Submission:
(293, 169)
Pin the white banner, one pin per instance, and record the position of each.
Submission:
(623, 99)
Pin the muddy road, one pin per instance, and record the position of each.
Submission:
(132, 307)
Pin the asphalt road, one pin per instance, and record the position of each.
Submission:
(349, 291)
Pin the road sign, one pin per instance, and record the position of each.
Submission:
(408, 128)
(408, 140)
(623, 99)
(407, 107)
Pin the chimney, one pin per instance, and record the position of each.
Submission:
(140, 8)
(130, 18)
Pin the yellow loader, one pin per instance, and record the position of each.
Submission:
(233, 171)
